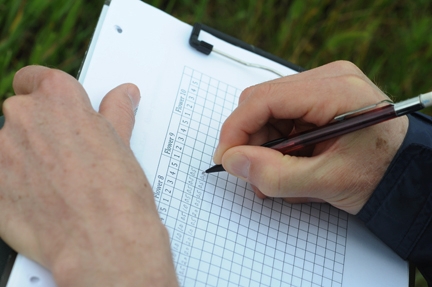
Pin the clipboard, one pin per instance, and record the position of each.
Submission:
(113, 24)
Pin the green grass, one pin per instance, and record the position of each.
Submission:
(389, 40)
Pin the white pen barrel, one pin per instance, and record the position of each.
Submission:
(426, 99)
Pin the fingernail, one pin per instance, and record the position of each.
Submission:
(134, 95)
(238, 164)
(216, 154)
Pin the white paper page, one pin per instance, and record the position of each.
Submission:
(369, 262)
(221, 234)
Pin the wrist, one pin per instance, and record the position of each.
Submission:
(371, 164)
(127, 256)
(120, 242)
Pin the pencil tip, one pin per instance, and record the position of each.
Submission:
(215, 168)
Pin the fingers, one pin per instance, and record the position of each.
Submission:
(334, 69)
(315, 97)
(27, 79)
(48, 81)
(294, 200)
(119, 106)
(269, 172)
(47, 92)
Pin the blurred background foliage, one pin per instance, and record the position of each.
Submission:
(390, 40)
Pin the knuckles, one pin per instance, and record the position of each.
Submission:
(40, 89)
(345, 67)
(349, 75)
(14, 106)
(51, 80)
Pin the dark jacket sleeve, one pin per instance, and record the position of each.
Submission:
(400, 210)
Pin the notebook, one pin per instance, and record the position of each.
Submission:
(221, 234)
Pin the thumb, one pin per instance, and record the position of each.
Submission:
(119, 107)
(272, 173)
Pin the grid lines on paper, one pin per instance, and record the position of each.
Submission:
(221, 234)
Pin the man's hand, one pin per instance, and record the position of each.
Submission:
(342, 171)
(72, 195)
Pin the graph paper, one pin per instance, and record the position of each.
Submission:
(221, 233)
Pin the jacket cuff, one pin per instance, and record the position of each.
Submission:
(400, 208)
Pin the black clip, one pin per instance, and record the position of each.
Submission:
(201, 46)
(207, 48)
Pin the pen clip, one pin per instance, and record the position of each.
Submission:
(367, 108)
